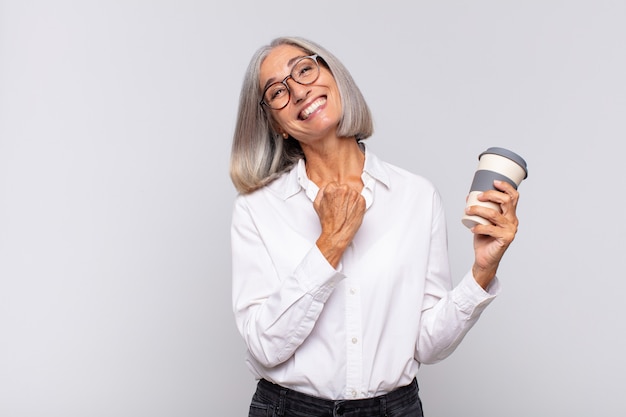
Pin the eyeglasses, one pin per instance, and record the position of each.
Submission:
(305, 71)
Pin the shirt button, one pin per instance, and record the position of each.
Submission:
(354, 393)
(352, 291)
(354, 340)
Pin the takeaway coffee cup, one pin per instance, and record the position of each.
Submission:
(493, 164)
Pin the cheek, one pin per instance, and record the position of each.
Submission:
(337, 104)
(337, 98)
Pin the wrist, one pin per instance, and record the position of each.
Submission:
(483, 276)
(332, 249)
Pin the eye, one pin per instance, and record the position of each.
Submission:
(275, 91)
(304, 70)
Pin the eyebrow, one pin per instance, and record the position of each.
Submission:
(289, 64)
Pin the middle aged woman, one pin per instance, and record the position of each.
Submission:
(341, 281)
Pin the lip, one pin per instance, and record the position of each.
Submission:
(305, 116)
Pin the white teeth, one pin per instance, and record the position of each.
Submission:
(314, 106)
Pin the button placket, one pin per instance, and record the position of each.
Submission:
(354, 333)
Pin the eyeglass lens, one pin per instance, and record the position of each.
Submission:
(305, 71)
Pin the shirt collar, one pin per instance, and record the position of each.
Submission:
(296, 180)
(374, 167)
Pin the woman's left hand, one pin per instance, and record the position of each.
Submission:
(491, 241)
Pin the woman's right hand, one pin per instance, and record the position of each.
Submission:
(340, 209)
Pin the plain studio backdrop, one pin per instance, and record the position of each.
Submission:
(116, 119)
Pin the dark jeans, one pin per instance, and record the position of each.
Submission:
(272, 400)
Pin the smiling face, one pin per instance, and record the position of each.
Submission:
(314, 110)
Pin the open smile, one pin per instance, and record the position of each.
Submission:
(310, 109)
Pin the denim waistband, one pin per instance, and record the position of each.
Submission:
(287, 399)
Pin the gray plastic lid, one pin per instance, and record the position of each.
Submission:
(507, 154)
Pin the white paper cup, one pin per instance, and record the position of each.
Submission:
(493, 164)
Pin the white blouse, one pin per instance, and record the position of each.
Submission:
(364, 328)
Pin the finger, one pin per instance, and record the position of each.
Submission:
(487, 213)
(503, 186)
(504, 218)
(503, 234)
(336, 201)
(507, 188)
(506, 200)
(357, 207)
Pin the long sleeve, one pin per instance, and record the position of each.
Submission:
(447, 314)
(275, 312)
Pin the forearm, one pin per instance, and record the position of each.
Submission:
(275, 323)
(444, 326)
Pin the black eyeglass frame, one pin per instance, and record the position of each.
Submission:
(314, 57)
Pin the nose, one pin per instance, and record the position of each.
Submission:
(298, 91)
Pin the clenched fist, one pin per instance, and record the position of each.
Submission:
(340, 209)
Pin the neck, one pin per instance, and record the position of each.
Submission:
(340, 161)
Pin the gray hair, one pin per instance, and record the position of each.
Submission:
(259, 154)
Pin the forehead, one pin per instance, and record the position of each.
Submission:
(277, 63)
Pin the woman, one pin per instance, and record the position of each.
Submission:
(341, 282)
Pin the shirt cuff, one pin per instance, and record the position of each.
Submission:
(316, 276)
(471, 298)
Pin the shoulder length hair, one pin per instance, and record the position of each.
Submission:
(259, 154)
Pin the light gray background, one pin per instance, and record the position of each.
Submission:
(115, 127)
